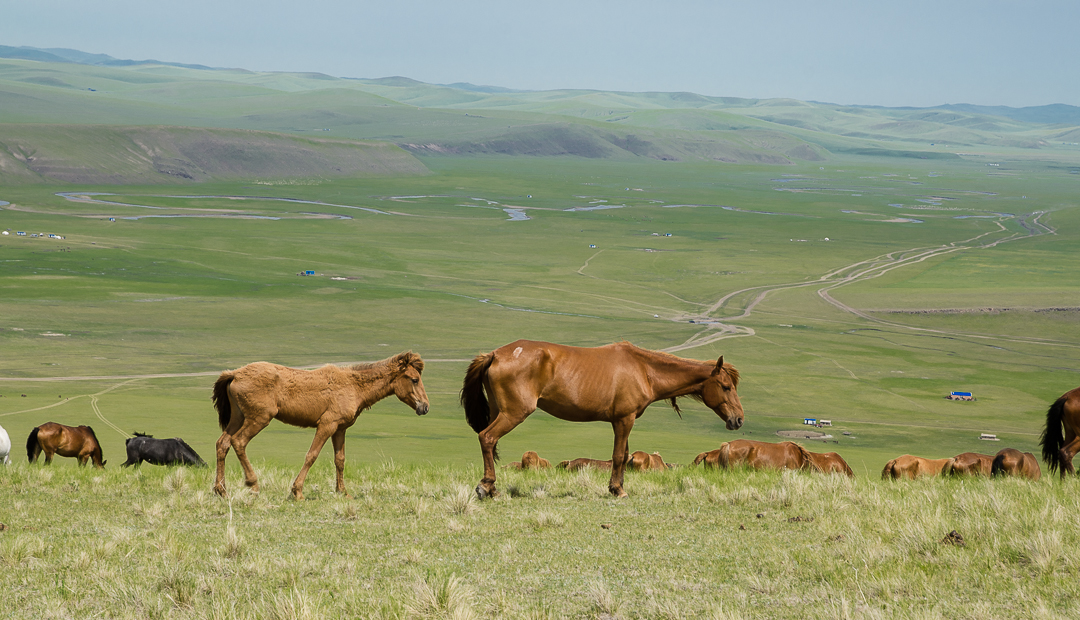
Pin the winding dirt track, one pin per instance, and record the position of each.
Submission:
(868, 270)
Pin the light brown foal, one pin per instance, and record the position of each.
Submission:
(613, 383)
(329, 399)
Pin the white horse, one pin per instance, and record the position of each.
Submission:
(5, 446)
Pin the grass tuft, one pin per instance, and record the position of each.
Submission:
(439, 598)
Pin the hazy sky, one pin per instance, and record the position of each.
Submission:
(894, 52)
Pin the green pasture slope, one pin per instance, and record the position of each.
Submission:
(185, 283)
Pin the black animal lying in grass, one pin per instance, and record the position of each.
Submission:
(174, 451)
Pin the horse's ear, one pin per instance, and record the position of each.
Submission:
(719, 365)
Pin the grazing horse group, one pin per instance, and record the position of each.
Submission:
(765, 455)
(1008, 462)
(613, 383)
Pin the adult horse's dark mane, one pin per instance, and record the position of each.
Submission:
(97, 450)
(661, 355)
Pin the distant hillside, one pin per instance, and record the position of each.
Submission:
(62, 54)
(96, 155)
(69, 87)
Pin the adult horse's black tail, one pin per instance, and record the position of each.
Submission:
(32, 448)
(221, 398)
(473, 398)
(1053, 439)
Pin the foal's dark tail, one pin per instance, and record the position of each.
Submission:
(32, 448)
(220, 398)
(1052, 438)
(473, 398)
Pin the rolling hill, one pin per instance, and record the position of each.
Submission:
(56, 86)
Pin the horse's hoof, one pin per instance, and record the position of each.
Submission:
(221, 492)
(482, 493)
(618, 493)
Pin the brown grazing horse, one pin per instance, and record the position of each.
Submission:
(912, 467)
(328, 399)
(530, 460)
(643, 461)
(831, 463)
(1058, 449)
(708, 459)
(970, 464)
(612, 383)
(582, 463)
(1012, 462)
(52, 438)
(764, 455)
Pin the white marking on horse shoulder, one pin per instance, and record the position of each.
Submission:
(517, 352)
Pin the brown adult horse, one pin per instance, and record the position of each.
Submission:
(1058, 449)
(1012, 462)
(970, 464)
(582, 463)
(612, 383)
(831, 463)
(328, 399)
(52, 438)
(643, 461)
(912, 467)
(708, 459)
(530, 460)
(764, 455)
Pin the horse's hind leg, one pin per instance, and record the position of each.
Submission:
(339, 459)
(222, 446)
(322, 433)
(489, 437)
(240, 441)
(1068, 452)
(622, 428)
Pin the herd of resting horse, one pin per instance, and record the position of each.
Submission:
(613, 383)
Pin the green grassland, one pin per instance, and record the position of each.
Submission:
(197, 282)
(855, 264)
(414, 543)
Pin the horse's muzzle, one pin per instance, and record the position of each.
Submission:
(421, 409)
(734, 424)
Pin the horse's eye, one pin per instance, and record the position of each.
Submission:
(415, 381)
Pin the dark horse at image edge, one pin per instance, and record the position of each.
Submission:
(1058, 447)
(173, 451)
(613, 383)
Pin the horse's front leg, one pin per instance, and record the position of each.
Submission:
(339, 460)
(322, 433)
(622, 427)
